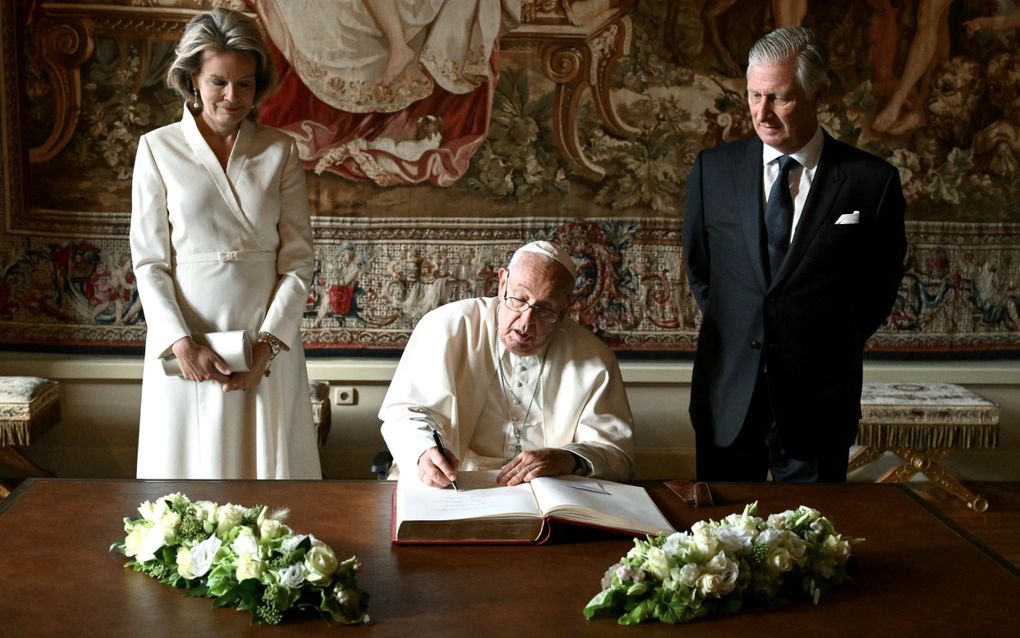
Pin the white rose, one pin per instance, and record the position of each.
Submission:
(248, 566)
(149, 541)
(676, 543)
(227, 517)
(205, 511)
(721, 564)
(781, 520)
(705, 542)
(320, 561)
(292, 576)
(797, 547)
(150, 544)
(134, 540)
(727, 570)
(739, 521)
(271, 528)
(152, 510)
(689, 575)
(734, 538)
(202, 556)
(780, 560)
(184, 563)
(772, 537)
(245, 543)
(168, 524)
(710, 584)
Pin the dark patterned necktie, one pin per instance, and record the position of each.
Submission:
(779, 215)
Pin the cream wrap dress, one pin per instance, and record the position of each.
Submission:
(218, 250)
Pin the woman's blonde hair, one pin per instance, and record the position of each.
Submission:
(220, 30)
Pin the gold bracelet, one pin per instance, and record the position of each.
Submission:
(275, 346)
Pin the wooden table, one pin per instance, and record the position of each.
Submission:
(916, 575)
(922, 423)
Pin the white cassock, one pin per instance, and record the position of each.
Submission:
(217, 250)
(576, 401)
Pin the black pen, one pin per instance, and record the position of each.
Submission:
(442, 450)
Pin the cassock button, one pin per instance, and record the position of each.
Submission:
(756, 345)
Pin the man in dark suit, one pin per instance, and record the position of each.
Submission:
(777, 375)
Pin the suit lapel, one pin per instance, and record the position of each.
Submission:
(749, 176)
(824, 189)
(213, 168)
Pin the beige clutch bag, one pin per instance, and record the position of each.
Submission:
(233, 346)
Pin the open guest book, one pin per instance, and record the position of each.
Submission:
(483, 512)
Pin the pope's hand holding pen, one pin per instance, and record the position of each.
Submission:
(437, 470)
(437, 466)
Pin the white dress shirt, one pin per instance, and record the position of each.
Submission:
(800, 177)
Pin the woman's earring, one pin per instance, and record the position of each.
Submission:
(194, 92)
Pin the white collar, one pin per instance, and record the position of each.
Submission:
(807, 156)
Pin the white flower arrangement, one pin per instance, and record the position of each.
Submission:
(242, 557)
(717, 567)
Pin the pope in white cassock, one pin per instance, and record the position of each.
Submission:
(221, 241)
(510, 382)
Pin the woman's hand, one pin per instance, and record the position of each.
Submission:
(244, 381)
(199, 363)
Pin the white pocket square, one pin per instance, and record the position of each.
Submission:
(849, 218)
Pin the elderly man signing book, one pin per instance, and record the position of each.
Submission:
(509, 383)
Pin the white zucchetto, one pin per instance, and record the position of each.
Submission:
(549, 250)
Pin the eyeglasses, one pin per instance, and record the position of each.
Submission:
(542, 313)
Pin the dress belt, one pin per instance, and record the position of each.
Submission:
(230, 255)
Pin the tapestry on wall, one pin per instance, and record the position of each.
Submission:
(571, 121)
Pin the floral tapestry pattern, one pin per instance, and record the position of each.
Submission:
(605, 178)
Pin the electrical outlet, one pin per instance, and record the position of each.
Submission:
(345, 395)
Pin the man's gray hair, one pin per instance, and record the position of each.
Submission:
(789, 42)
(220, 30)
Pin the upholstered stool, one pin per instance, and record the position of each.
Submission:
(28, 406)
(922, 423)
(321, 412)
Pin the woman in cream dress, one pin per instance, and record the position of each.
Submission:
(221, 240)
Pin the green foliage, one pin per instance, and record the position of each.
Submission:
(517, 160)
(718, 566)
(244, 558)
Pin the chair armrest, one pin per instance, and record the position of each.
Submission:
(381, 464)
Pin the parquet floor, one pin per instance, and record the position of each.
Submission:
(998, 528)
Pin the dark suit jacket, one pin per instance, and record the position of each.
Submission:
(835, 288)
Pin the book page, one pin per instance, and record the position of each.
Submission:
(479, 497)
(599, 502)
